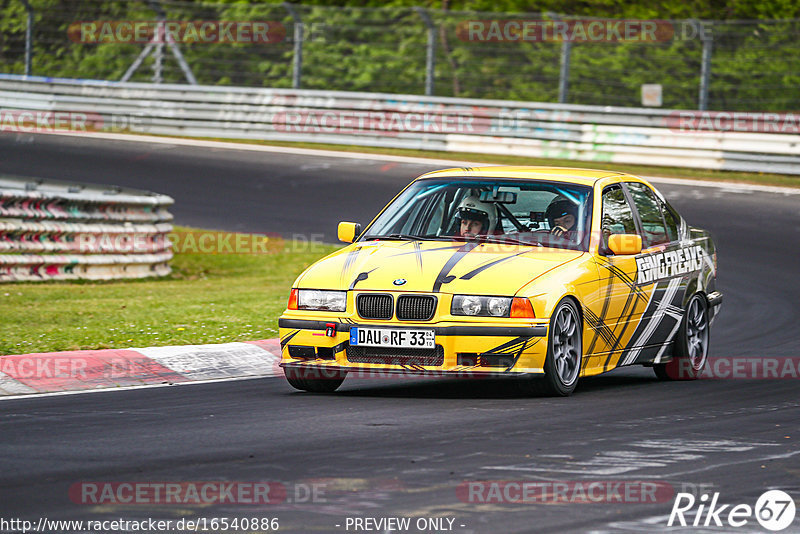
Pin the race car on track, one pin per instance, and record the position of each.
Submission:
(547, 274)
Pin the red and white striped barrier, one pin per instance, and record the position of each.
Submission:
(51, 372)
(52, 230)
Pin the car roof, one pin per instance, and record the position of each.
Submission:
(558, 174)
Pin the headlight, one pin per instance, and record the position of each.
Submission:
(481, 306)
(315, 299)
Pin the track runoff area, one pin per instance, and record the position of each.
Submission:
(626, 453)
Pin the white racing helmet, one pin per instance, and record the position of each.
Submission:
(473, 209)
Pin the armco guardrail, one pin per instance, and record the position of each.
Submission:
(707, 140)
(52, 230)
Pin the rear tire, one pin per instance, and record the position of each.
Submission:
(314, 380)
(690, 348)
(562, 364)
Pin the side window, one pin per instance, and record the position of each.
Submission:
(654, 231)
(617, 215)
(673, 223)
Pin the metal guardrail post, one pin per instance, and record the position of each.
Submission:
(297, 55)
(158, 63)
(563, 75)
(28, 39)
(430, 50)
(705, 65)
(137, 62)
(564, 64)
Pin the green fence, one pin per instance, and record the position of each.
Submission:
(718, 65)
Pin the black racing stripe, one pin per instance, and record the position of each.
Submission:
(514, 347)
(625, 325)
(624, 278)
(635, 290)
(622, 275)
(528, 344)
(647, 315)
(599, 326)
(603, 312)
(482, 268)
(443, 277)
(643, 324)
(288, 337)
(509, 347)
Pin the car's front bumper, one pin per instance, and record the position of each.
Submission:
(467, 348)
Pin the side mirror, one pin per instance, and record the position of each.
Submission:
(348, 231)
(625, 244)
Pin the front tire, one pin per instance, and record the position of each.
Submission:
(313, 380)
(690, 348)
(562, 364)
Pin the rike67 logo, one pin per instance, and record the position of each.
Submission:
(774, 510)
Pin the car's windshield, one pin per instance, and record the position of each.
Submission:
(527, 212)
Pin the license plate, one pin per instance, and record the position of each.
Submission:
(394, 338)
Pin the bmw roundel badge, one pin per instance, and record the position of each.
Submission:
(399, 282)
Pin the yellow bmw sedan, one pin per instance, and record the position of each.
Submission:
(546, 274)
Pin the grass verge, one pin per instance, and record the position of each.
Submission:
(208, 298)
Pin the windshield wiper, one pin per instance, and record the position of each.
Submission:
(508, 240)
(403, 237)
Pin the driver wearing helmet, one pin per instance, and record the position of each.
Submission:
(562, 215)
(474, 217)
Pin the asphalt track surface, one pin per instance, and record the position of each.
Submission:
(401, 448)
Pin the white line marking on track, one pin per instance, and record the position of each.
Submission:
(131, 388)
